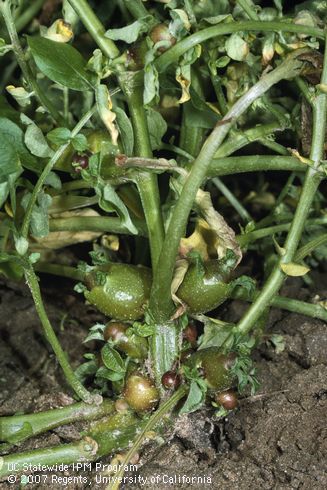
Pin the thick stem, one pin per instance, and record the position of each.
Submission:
(147, 184)
(5, 9)
(47, 169)
(96, 223)
(136, 8)
(254, 163)
(310, 186)
(94, 27)
(160, 301)
(149, 426)
(50, 335)
(18, 428)
(172, 55)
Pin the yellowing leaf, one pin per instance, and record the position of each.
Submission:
(104, 106)
(21, 96)
(185, 85)
(294, 270)
(224, 234)
(179, 273)
(60, 31)
(199, 241)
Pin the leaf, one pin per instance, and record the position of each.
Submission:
(157, 127)
(236, 47)
(151, 77)
(294, 270)
(112, 359)
(195, 398)
(126, 131)
(53, 180)
(110, 201)
(59, 239)
(21, 96)
(59, 136)
(35, 141)
(215, 334)
(225, 235)
(104, 106)
(4, 48)
(15, 136)
(79, 142)
(9, 158)
(59, 31)
(61, 63)
(40, 215)
(130, 33)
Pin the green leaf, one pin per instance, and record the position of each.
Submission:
(35, 141)
(61, 63)
(15, 136)
(157, 127)
(130, 33)
(214, 334)
(40, 214)
(79, 142)
(53, 180)
(195, 398)
(105, 373)
(236, 47)
(21, 244)
(112, 359)
(126, 131)
(143, 329)
(110, 201)
(59, 136)
(9, 158)
(151, 79)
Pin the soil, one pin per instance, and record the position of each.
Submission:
(274, 440)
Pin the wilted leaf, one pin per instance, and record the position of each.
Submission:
(21, 96)
(225, 235)
(59, 31)
(130, 33)
(181, 267)
(236, 47)
(104, 106)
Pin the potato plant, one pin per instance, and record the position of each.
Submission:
(184, 142)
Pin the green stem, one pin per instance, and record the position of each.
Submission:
(254, 163)
(310, 186)
(160, 300)
(82, 450)
(252, 236)
(96, 223)
(103, 437)
(272, 145)
(47, 169)
(5, 9)
(249, 8)
(50, 335)
(149, 426)
(25, 18)
(147, 184)
(60, 270)
(18, 428)
(239, 140)
(136, 8)
(94, 27)
(237, 205)
(310, 247)
(289, 304)
(172, 55)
